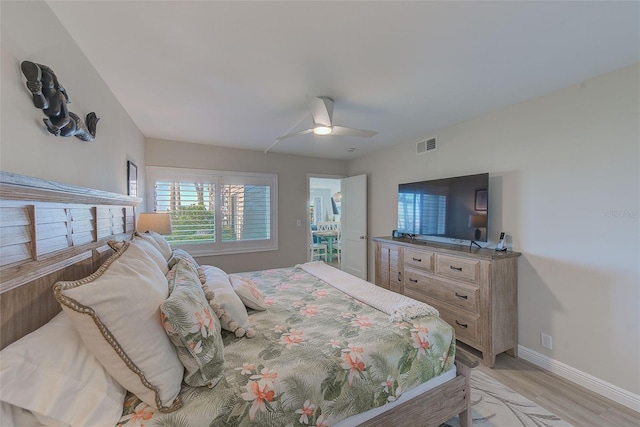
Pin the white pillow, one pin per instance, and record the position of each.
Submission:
(150, 249)
(51, 373)
(14, 416)
(148, 245)
(116, 311)
(235, 318)
(163, 246)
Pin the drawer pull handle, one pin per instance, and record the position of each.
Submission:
(416, 259)
(413, 280)
(463, 325)
(461, 296)
(399, 277)
(455, 268)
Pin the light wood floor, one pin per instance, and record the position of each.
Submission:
(571, 402)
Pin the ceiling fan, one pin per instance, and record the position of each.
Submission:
(322, 113)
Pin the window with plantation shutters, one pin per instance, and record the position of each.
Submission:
(215, 211)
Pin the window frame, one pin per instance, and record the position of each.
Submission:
(219, 179)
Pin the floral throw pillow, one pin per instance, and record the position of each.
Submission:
(178, 254)
(193, 327)
(248, 292)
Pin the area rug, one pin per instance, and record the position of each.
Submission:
(495, 405)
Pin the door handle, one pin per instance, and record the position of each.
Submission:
(363, 237)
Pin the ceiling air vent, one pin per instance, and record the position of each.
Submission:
(427, 145)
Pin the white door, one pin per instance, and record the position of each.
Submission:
(354, 226)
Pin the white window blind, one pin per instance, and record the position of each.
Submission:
(192, 209)
(216, 211)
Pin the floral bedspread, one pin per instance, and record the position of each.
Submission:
(319, 356)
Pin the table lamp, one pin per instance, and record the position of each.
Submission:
(158, 222)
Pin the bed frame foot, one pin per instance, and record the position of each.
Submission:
(465, 364)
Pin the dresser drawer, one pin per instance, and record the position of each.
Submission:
(458, 268)
(418, 259)
(458, 294)
(467, 326)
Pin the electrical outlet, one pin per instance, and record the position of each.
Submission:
(298, 223)
(546, 341)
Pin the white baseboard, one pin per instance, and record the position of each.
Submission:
(603, 388)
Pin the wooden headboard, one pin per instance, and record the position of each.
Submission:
(50, 232)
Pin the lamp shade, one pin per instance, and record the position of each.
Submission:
(158, 222)
(477, 221)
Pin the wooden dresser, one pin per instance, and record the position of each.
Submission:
(475, 290)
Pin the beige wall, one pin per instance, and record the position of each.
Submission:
(564, 183)
(292, 194)
(31, 31)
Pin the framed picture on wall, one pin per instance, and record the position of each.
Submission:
(132, 179)
(481, 200)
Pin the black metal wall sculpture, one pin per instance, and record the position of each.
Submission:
(52, 98)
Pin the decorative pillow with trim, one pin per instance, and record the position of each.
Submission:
(117, 245)
(178, 254)
(234, 317)
(248, 292)
(116, 312)
(203, 278)
(193, 328)
(163, 246)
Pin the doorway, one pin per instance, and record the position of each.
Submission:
(324, 214)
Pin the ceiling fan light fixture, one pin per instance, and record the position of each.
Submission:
(322, 113)
(322, 130)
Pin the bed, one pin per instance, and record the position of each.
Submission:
(310, 359)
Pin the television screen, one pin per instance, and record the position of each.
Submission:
(454, 208)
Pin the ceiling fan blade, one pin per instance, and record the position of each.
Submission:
(302, 132)
(343, 131)
(321, 110)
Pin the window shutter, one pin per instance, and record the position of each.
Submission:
(192, 209)
(216, 212)
(246, 212)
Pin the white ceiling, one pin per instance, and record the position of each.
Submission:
(238, 73)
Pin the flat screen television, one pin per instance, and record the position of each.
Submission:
(449, 208)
